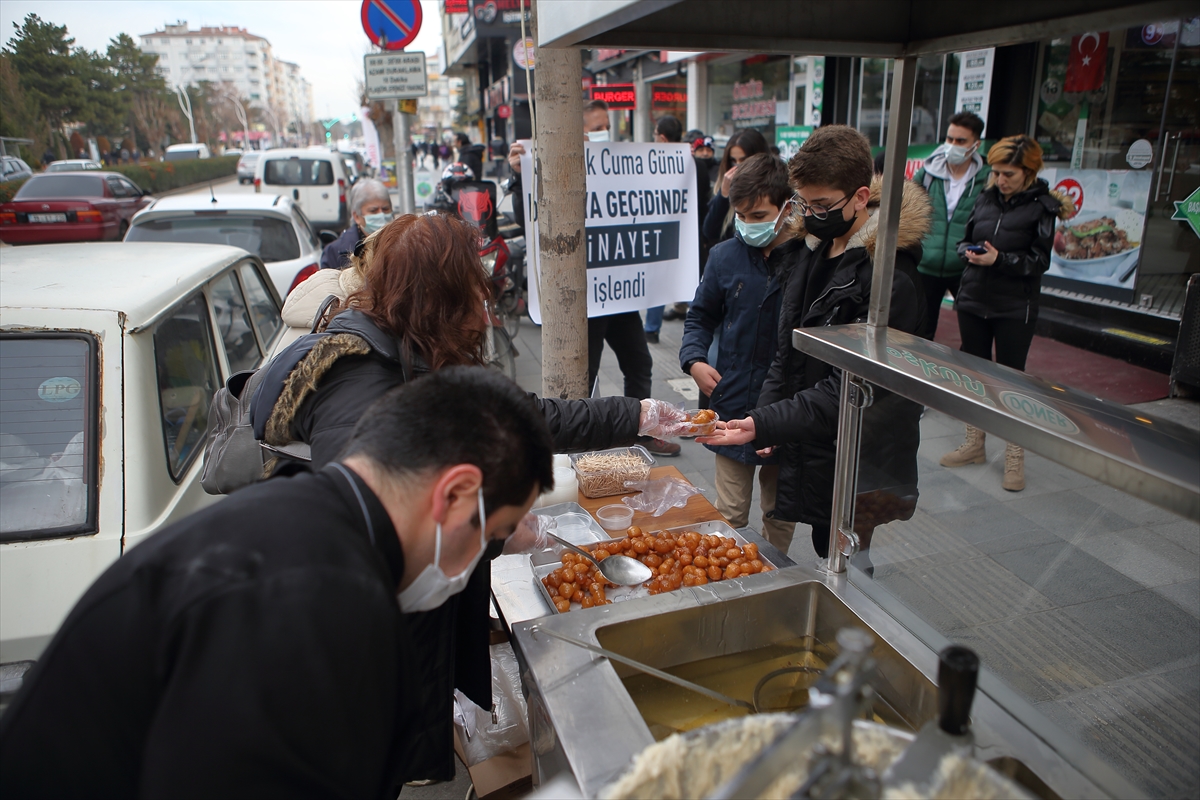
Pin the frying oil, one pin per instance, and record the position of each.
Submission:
(669, 709)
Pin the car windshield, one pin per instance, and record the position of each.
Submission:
(299, 172)
(181, 155)
(47, 450)
(71, 166)
(41, 187)
(249, 158)
(266, 237)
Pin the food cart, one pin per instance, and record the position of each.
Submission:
(586, 716)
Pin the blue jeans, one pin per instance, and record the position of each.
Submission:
(654, 319)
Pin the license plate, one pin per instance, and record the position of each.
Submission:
(47, 217)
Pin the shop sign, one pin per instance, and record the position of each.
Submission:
(395, 75)
(667, 95)
(619, 96)
(816, 90)
(1037, 412)
(1188, 210)
(454, 7)
(523, 53)
(747, 105)
(975, 82)
(641, 225)
(503, 112)
(1101, 243)
(790, 138)
(1140, 154)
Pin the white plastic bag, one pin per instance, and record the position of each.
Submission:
(505, 727)
(659, 495)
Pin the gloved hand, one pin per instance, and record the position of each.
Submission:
(662, 420)
(530, 535)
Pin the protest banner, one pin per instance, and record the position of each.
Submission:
(641, 226)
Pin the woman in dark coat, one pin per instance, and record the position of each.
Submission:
(421, 309)
(1006, 248)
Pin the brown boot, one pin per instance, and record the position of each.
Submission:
(1014, 468)
(969, 452)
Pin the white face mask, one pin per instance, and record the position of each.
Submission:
(957, 154)
(432, 587)
(597, 136)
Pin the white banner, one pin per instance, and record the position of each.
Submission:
(370, 138)
(641, 224)
(975, 82)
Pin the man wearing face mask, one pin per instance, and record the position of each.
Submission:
(953, 176)
(838, 199)
(370, 210)
(739, 296)
(265, 646)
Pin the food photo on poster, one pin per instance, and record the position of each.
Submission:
(1101, 242)
(642, 238)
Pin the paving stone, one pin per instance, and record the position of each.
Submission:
(1121, 622)
(1068, 515)
(1143, 555)
(997, 529)
(1066, 574)
(1185, 594)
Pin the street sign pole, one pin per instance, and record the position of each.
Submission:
(404, 173)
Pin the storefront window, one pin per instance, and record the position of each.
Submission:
(669, 97)
(933, 100)
(753, 93)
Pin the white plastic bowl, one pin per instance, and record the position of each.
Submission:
(615, 517)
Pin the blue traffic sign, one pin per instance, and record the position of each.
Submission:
(391, 24)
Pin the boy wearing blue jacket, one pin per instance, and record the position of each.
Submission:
(740, 296)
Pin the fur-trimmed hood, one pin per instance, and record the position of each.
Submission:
(915, 216)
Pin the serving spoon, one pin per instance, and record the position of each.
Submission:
(621, 570)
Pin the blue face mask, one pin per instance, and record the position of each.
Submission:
(373, 222)
(758, 234)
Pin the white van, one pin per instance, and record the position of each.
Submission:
(186, 152)
(315, 179)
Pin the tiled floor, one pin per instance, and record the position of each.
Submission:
(1083, 599)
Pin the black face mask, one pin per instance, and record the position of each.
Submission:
(831, 227)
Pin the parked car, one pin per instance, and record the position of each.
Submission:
(245, 166)
(108, 364)
(272, 228)
(315, 178)
(14, 169)
(73, 165)
(71, 207)
(186, 152)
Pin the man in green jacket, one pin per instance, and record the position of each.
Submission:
(954, 176)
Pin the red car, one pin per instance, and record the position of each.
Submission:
(71, 207)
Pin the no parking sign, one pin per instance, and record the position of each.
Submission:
(391, 24)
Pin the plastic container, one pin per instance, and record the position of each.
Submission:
(575, 528)
(566, 488)
(606, 482)
(700, 428)
(616, 517)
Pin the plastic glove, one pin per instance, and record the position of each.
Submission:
(530, 535)
(662, 420)
(659, 495)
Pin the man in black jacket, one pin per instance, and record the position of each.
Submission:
(830, 284)
(265, 646)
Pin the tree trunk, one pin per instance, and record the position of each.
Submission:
(561, 194)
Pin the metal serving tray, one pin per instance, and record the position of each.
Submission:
(547, 561)
(559, 509)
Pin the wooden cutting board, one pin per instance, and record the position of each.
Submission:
(698, 508)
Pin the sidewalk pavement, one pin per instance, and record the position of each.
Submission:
(1083, 599)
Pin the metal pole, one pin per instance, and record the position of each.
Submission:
(900, 120)
(561, 192)
(843, 541)
(404, 175)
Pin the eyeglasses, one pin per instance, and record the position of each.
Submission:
(819, 212)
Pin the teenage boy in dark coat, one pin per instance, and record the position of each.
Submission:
(830, 284)
(740, 296)
(267, 646)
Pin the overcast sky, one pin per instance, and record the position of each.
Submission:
(325, 37)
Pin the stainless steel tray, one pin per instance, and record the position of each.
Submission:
(572, 508)
(547, 561)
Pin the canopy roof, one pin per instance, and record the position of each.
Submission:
(881, 28)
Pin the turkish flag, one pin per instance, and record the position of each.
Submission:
(1085, 67)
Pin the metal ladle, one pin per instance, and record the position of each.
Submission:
(621, 570)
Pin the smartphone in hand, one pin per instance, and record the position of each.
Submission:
(977, 249)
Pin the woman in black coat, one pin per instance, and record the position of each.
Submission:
(421, 309)
(1006, 249)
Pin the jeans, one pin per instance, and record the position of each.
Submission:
(627, 338)
(935, 289)
(1012, 338)
(654, 319)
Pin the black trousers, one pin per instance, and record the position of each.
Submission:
(627, 338)
(1012, 338)
(935, 289)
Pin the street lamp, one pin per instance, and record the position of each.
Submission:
(182, 96)
(274, 120)
(242, 118)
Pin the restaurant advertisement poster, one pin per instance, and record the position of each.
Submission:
(1101, 245)
(641, 226)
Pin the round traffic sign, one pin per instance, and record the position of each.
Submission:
(503, 112)
(391, 24)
